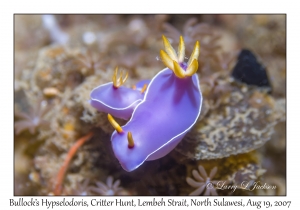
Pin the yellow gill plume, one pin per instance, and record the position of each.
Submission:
(170, 58)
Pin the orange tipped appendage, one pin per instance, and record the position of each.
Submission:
(117, 82)
(116, 126)
(173, 61)
(130, 140)
(144, 88)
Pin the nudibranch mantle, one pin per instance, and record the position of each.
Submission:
(170, 108)
(118, 102)
(116, 99)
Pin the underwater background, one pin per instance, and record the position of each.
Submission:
(62, 144)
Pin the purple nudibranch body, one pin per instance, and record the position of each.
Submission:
(170, 108)
(159, 117)
(139, 86)
(119, 102)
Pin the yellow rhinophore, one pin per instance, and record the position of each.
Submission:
(130, 140)
(114, 124)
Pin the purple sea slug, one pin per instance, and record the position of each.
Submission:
(116, 99)
(169, 109)
(141, 85)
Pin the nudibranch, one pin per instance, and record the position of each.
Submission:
(141, 85)
(169, 109)
(115, 99)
